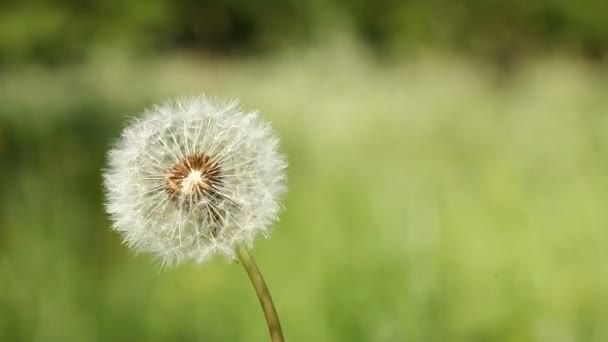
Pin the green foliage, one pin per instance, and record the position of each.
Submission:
(429, 201)
(63, 31)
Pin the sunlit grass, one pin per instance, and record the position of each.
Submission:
(432, 199)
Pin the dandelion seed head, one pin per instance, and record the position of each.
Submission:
(193, 178)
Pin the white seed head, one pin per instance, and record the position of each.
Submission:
(192, 178)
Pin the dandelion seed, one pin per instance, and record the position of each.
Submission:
(193, 178)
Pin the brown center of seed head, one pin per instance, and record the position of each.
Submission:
(193, 178)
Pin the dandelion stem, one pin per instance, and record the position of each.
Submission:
(272, 318)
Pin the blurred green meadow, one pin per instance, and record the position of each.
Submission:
(430, 200)
(436, 196)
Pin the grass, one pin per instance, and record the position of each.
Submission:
(431, 199)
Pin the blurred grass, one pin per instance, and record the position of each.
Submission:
(62, 32)
(434, 199)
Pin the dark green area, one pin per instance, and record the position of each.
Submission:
(64, 31)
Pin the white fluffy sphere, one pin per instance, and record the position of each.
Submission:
(192, 178)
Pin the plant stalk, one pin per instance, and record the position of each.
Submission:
(272, 318)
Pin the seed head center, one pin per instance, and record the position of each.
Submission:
(193, 178)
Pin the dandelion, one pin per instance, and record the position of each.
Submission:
(194, 178)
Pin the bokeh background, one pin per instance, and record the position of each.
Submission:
(448, 168)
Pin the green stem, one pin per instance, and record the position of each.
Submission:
(272, 318)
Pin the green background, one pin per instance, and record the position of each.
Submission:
(447, 180)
